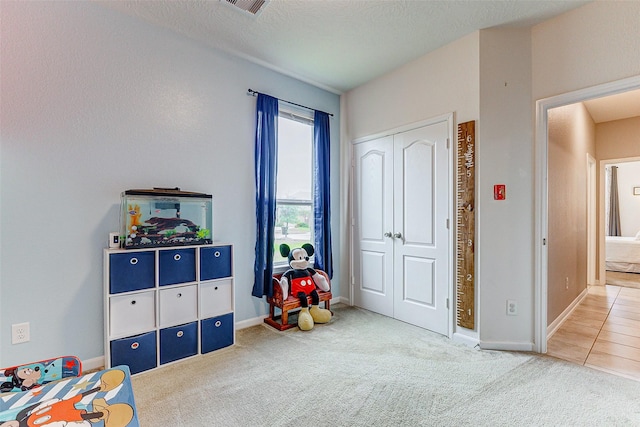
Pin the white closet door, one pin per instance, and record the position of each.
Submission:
(421, 243)
(401, 240)
(373, 213)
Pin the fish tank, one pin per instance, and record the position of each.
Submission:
(165, 217)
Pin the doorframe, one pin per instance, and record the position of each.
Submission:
(449, 118)
(541, 144)
(592, 220)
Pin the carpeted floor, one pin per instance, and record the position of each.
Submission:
(364, 369)
(628, 280)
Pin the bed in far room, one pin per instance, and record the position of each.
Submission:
(623, 254)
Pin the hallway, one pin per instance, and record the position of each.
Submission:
(603, 332)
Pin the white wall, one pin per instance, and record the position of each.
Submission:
(588, 46)
(505, 156)
(629, 177)
(94, 103)
(444, 81)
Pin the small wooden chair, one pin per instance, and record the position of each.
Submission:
(290, 303)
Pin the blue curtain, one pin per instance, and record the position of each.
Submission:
(321, 193)
(265, 169)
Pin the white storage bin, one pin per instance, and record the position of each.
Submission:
(216, 298)
(178, 305)
(132, 314)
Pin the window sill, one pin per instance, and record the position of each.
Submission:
(279, 269)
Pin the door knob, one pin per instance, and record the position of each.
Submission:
(388, 234)
(398, 235)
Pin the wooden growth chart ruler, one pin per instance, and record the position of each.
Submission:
(465, 213)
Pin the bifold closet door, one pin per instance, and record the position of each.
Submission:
(421, 207)
(401, 240)
(373, 213)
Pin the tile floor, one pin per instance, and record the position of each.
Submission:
(603, 332)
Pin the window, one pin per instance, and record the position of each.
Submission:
(294, 191)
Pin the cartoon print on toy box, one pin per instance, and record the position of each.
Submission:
(100, 399)
(26, 377)
(301, 281)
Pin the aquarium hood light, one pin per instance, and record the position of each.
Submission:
(165, 192)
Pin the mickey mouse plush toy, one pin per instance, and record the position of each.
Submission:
(303, 281)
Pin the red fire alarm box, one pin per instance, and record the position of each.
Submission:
(499, 192)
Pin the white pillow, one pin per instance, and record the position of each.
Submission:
(638, 236)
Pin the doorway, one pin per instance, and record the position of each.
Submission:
(622, 248)
(599, 325)
(541, 196)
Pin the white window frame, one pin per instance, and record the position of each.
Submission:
(305, 116)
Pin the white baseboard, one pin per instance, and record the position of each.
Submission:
(95, 363)
(343, 300)
(464, 339)
(250, 322)
(553, 327)
(260, 319)
(506, 345)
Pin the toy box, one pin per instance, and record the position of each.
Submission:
(32, 375)
(165, 217)
(98, 399)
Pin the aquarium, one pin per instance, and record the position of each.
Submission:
(165, 217)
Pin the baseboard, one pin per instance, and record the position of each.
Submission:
(250, 322)
(555, 325)
(98, 362)
(506, 345)
(260, 319)
(464, 339)
(91, 364)
(343, 300)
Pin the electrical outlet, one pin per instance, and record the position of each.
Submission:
(512, 307)
(566, 283)
(20, 333)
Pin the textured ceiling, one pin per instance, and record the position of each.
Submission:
(337, 44)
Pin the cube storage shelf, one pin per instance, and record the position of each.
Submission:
(166, 304)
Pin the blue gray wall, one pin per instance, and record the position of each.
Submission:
(93, 103)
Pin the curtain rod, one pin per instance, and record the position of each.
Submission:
(254, 93)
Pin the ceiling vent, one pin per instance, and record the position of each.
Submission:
(251, 7)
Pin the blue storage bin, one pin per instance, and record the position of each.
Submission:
(216, 333)
(215, 262)
(131, 271)
(177, 266)
(138, 352)
(178, 342)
